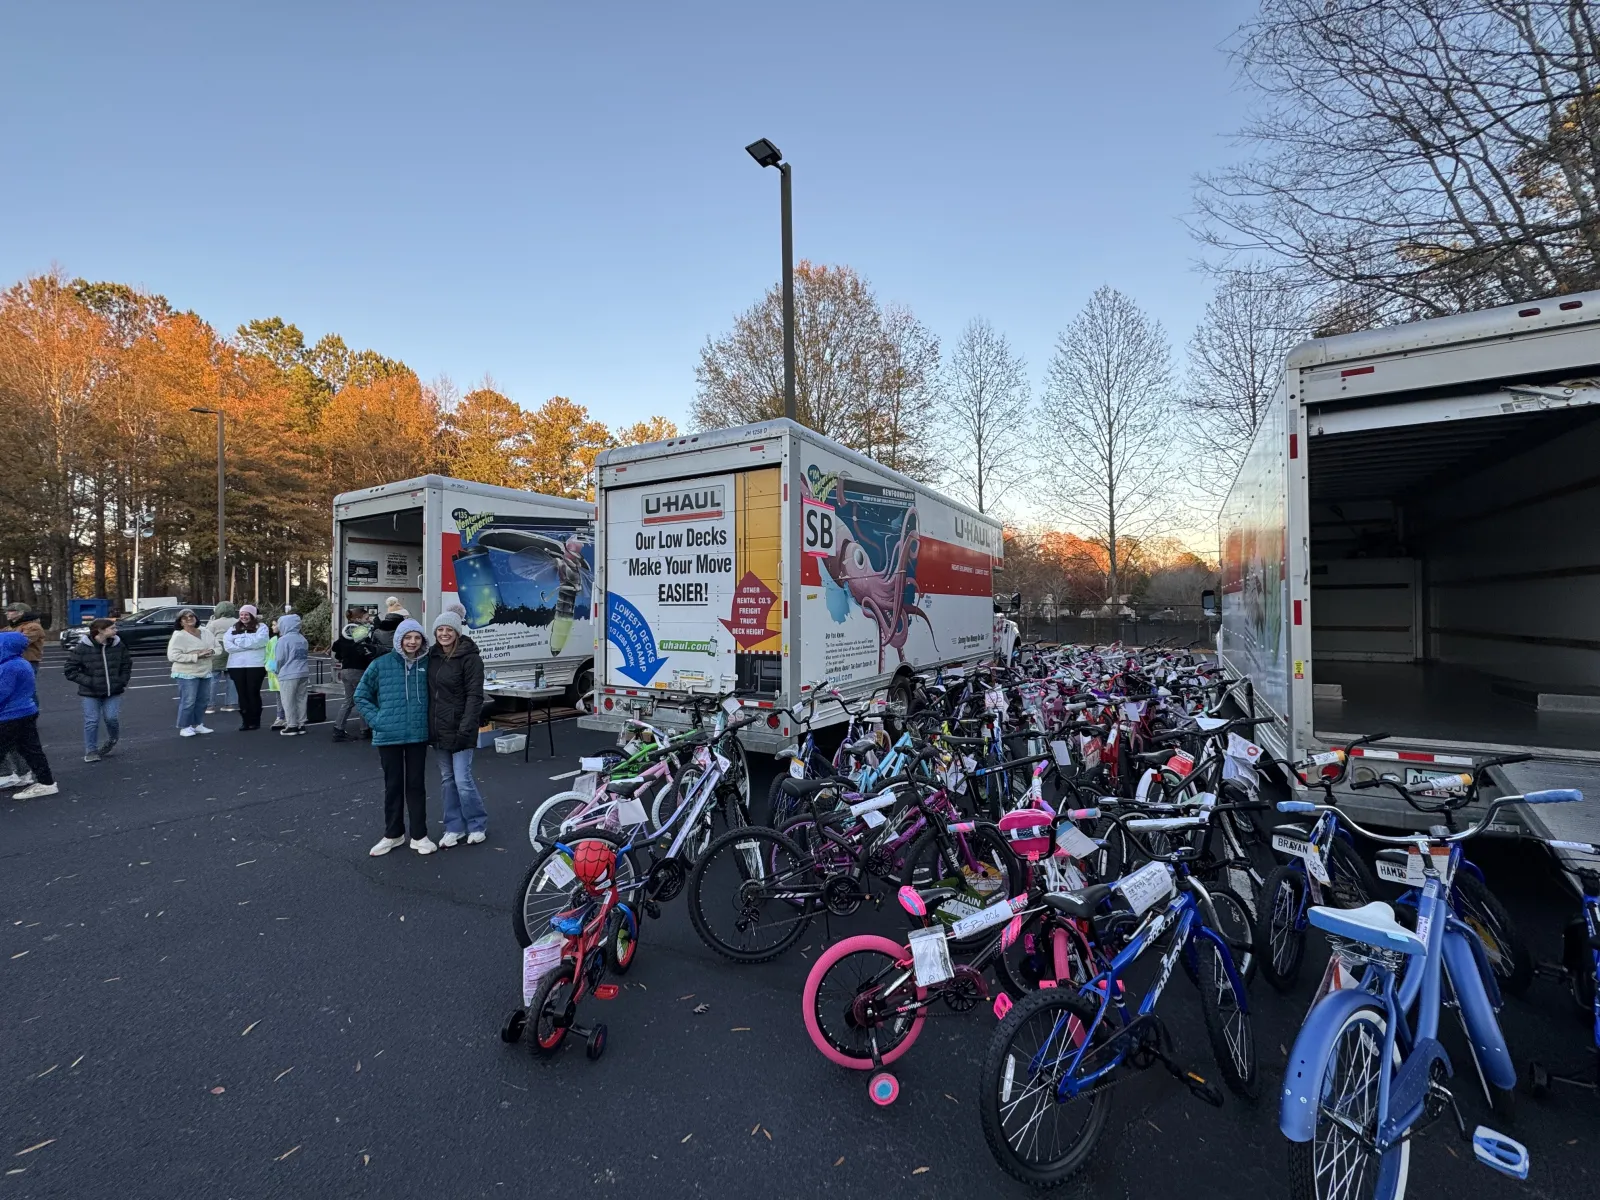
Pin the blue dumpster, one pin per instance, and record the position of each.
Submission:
(82, 610)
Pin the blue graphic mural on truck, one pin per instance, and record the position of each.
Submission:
(524, 571)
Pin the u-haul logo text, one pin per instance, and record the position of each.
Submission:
(686, 504)
(974, 533)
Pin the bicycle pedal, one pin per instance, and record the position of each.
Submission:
(606, 991)
(652, 910)
(1209, 1092)
(1499, 1152)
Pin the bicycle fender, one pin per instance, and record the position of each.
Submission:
(1466, 980)
(1302, 1076)
(1480, 953)
(1239, 991)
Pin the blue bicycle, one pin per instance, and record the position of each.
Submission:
(1045, 1091)
(1579, 969)
(1367, 1069)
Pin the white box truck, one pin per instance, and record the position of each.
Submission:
(767, 557)
(521, 564)
(1413, 547)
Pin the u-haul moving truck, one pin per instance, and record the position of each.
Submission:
(767, 557)
(521, 564)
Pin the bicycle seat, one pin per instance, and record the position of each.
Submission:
(624, 788)
(1080, 904)
(1153, 758)
(1371, 923)
(931, 898)
(800, 789)
(860, 747)
(1304, 831)
(571, 922)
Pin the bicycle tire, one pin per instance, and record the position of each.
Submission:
(1304, 1176)
(539, 898)
(622, 940)
(997, 1086)
(1280, 945)
(1351, 882)
(1481, 909)
(543, 1035)
(928, 864)
(766, 845)
(544, 827)
(1237, 928)
(833, 967)
(1228, 1024)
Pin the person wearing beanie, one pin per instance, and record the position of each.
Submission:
(393, 605)
(224, 697)
(455, 702)
(393, 700)
(246, 644)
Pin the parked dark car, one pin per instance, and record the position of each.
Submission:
(146, 632)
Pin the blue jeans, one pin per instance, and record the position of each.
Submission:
(463, 806)
(222, 690)
(95, 710)
(192, 697)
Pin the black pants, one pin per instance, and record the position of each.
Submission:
(22, 735)
(247, 682)
(405, 789)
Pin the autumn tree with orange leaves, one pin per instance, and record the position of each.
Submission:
(97, 381)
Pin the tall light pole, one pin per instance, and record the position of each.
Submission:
(768, 155)
(222, 545)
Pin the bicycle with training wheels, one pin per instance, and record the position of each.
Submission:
(1367, 1071)
(1045, 1088)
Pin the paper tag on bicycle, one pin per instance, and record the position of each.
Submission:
(930, 957)
(702, 757)
(1336, 977)
(557, 870)
(731, 706)
(1073, 842)
(1244, 751)
(1285, 844)
(722, 763)
(584, 785)
(1315, 865)
(873, 818)
(538, 960)
(1062, 752)
(630, 811)
(797, 769)
(994, 700)
(1146, 887)
(997, 913)
(591, 764)
(1091, 754)
(954, 778)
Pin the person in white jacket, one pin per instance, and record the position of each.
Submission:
(190, 651)
(246, 644)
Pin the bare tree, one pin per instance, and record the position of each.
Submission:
(986, 404)
(1108, 408)
(1419, 157)
(1235, 361)
(897, 422)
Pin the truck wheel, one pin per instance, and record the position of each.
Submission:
(583, 685)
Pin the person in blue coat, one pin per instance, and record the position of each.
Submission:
(19, 716)
(392, 698)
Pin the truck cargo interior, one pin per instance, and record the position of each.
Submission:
(378, 552)
(1455, 579)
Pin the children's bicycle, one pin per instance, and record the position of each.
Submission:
(1580, 969)
(598, 934)
(1367, 1070)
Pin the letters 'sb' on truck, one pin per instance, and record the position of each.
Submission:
(766, 557)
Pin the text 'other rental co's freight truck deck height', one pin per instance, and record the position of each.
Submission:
(764, 558)
(1413, 547)
(521, 564)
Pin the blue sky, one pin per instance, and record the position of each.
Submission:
(558, 195)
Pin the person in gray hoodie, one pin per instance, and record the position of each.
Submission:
(292, 657)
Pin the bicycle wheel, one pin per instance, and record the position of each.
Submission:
(1280, 941)
(1035, 1136)
(850, 998)
(546, 1028)
(980, 865)
(622, 940)
(1228, 1024)
(1508, 953)
(1350, 880)
(544, 827)
(1020, 967)
(1237, 928)
(540, 896)
(1336, 1164)
(736, 901)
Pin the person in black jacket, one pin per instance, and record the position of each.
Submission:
(101, 666)
(455, 702)
(355, 648)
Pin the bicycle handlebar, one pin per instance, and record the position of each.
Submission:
(1548, 796)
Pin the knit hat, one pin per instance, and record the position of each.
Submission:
(393, 604)
(455, 606)
(447, 618)
(248, 610)
(225, 609)
(409, 626)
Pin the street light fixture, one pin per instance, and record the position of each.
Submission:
(768, 155)
(222, 545)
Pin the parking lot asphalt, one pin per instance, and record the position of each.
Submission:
(207, 988)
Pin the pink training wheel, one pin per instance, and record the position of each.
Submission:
(884, 1089)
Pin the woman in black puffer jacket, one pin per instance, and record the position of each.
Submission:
(455, 702)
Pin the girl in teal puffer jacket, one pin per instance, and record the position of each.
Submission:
(393, 700)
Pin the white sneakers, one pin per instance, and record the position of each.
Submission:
(36, 791)
(423, 845)
(455, 839)
(186, 731)
(450, 839)
(203, 729)
(474, 838)
(11, 781)
(385, 845)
